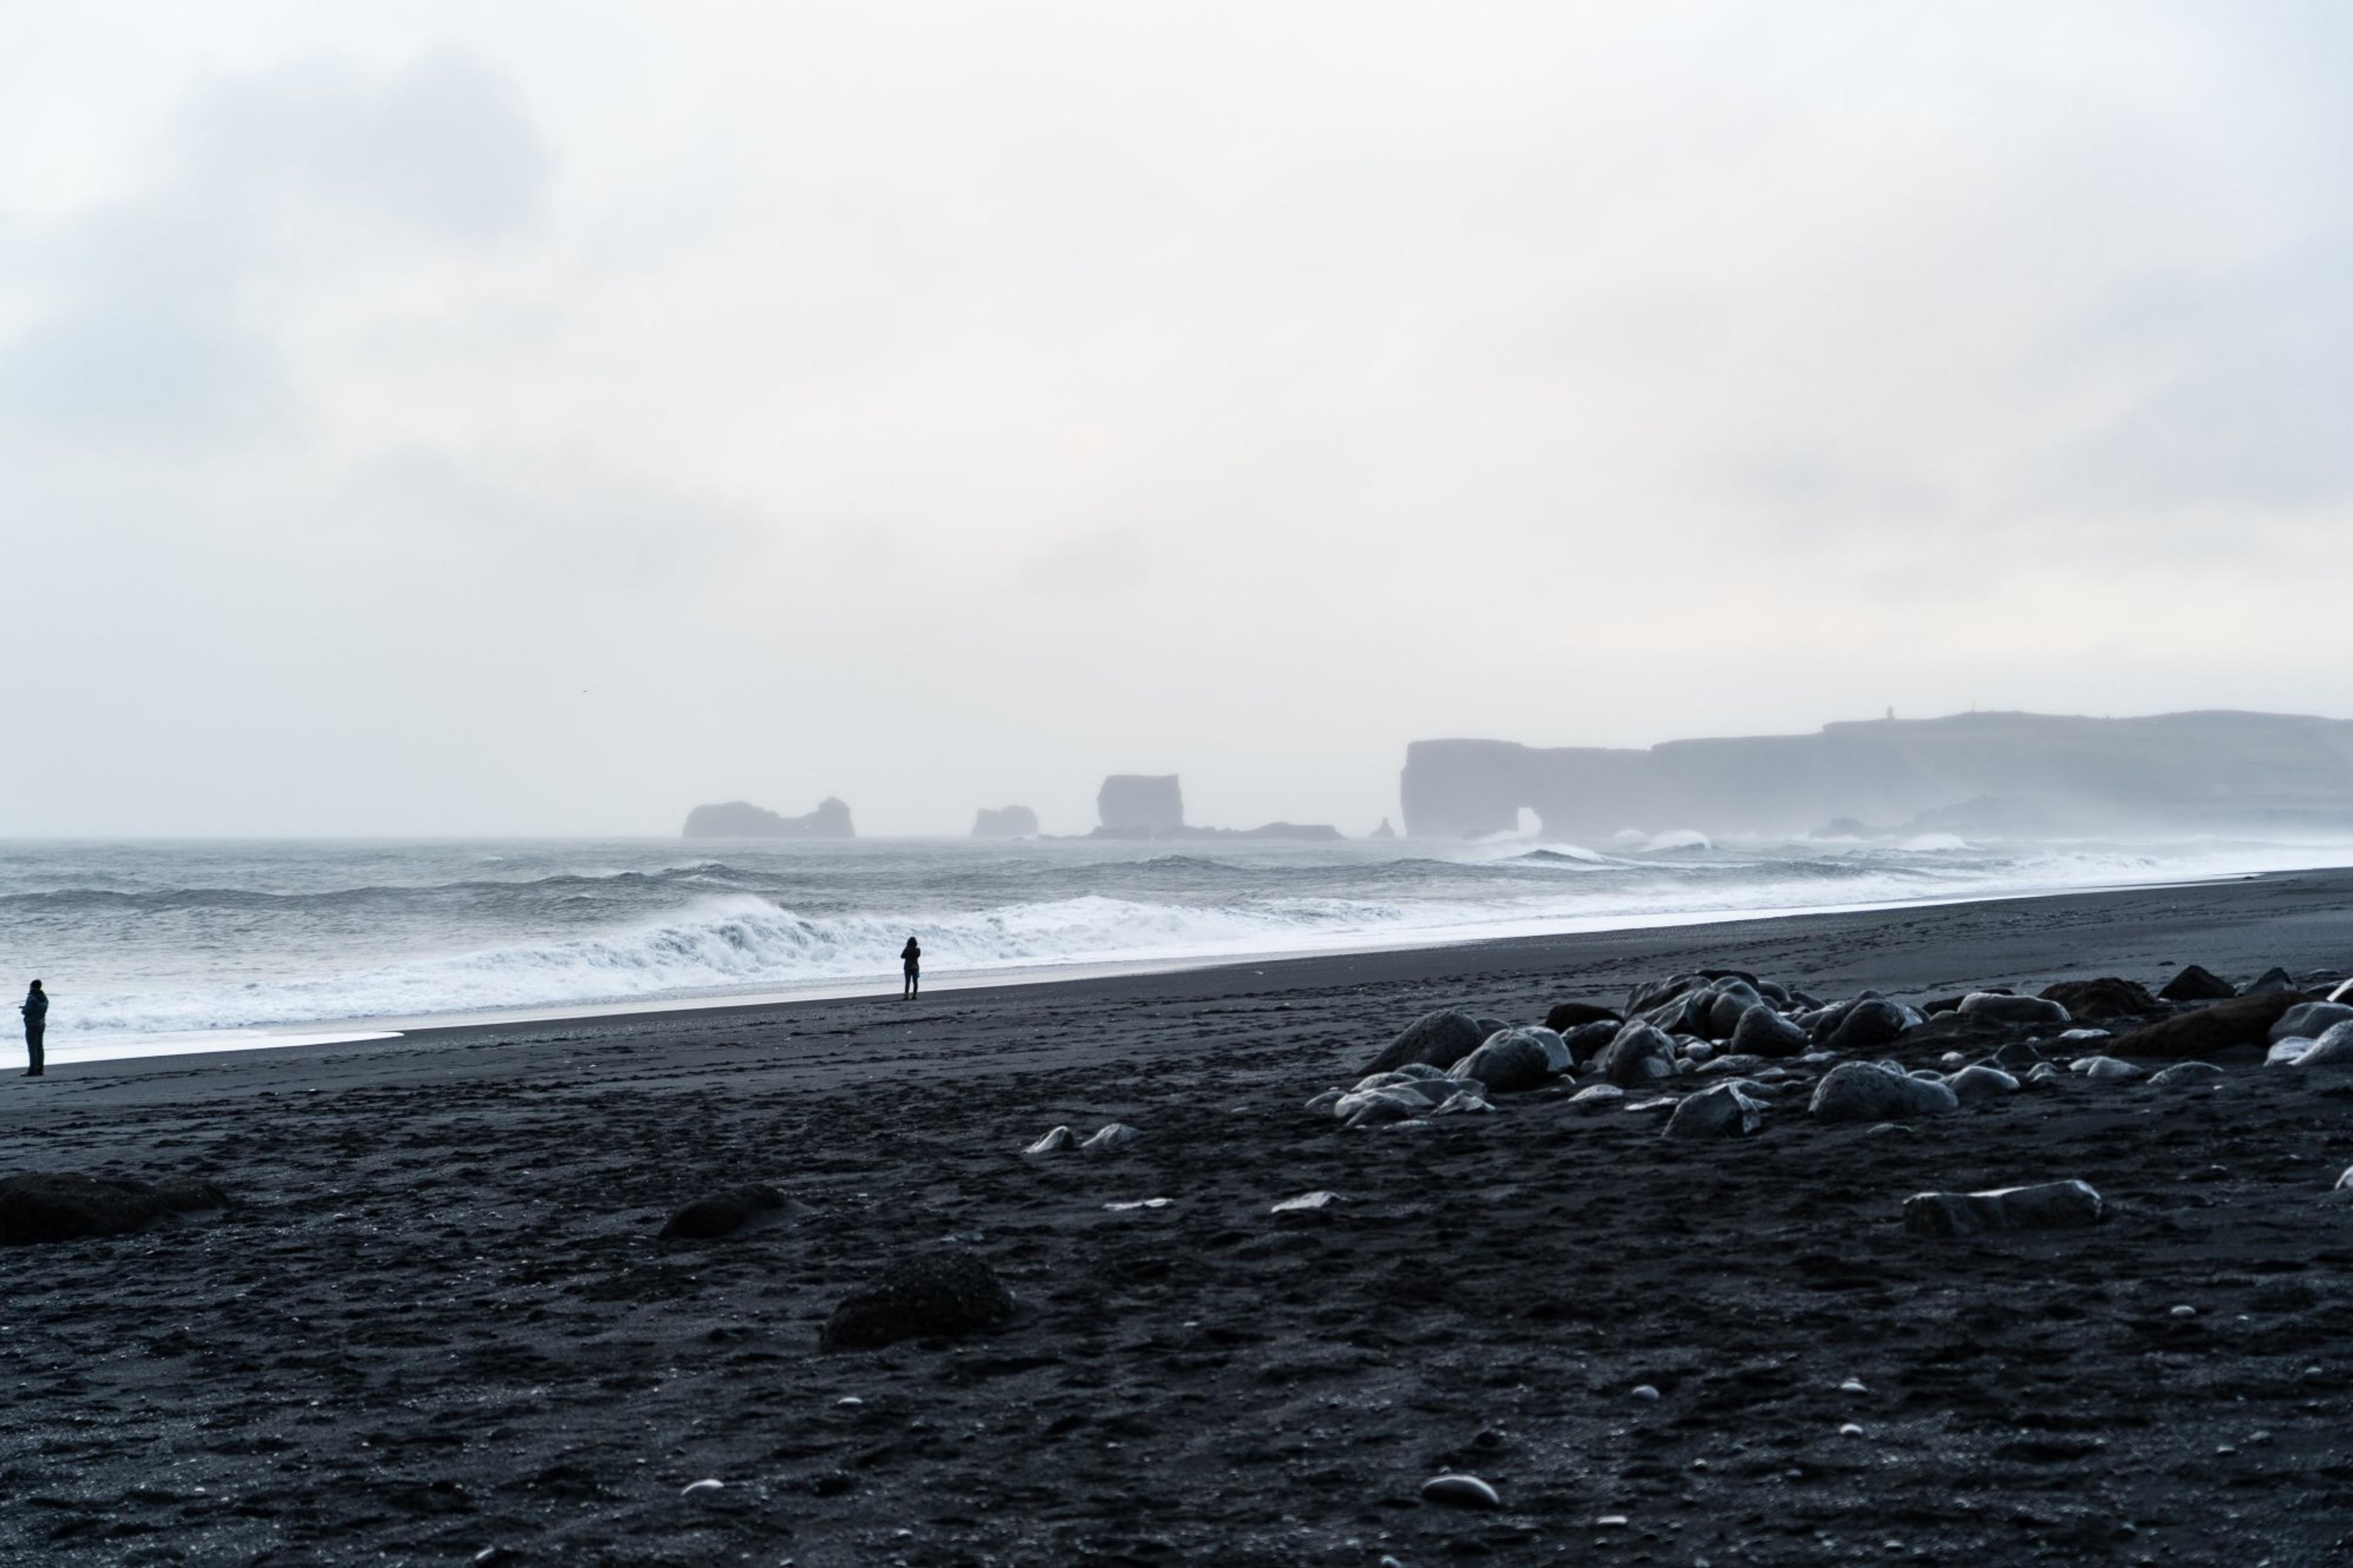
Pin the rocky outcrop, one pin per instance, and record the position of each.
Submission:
(1005, 822)
(61, 1206)
(742, 819)
(2023, 772)
(1140, 805)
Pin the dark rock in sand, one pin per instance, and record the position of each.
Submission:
(1436, 1039)
(1723, 1112)
(1979, 1082)
(2182, 1073)
(2017, 1056)
(2198, 983)
(1864, 1092)
(1869, 1024)
(2334, 1048)
(61, 1206)
(1512, 1061)
(924, 1295)
(725, 1213)
(2028, 1012)
(1639, 1058)
(1762, 1032)
(2242, 1021)
(1727, 1005)
(2051, 1206)
(1568, 1015)
(1460, 1491)
(1588, 1041)
(2270, 983)
(1657, 993)
(2310, 1019)
(2099, 1001)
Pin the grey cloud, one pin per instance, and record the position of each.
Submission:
(146, 331)
(561, 515)
(2252, 409)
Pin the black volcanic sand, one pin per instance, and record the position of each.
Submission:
(441, 1323)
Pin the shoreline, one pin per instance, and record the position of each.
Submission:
(2257, 892)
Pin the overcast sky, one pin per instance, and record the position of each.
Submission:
(422, 419)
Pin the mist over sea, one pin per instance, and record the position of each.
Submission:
(144, 939)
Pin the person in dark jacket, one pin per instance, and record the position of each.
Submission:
(37, 1019)
(911, 958)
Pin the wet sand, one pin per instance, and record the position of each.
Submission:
(440, 1324)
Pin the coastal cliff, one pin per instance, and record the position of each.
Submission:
(2012, 774)
(742, 819)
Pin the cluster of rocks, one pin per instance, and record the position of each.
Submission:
(1714, 1051)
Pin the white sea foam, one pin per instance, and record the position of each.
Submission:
(204, 940)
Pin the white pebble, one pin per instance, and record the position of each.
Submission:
(1852, 1386)
(1611, 1522)
(1850, 1430)
(848, 1400)
(704, 1488)
(1644, 1391)
(2185, 1311)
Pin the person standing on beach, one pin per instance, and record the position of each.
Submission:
(37, 1019)
(911, 958)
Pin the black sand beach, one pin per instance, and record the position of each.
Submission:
(439, 1327)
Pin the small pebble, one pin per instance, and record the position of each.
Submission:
(1460, 1491)
(848, 1400)
(1850, 1430)
(1852, 1386)
(2185, 1311)
(1644, 1391)
(1611, 1522)
(703, 1487)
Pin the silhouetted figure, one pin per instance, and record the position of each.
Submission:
(911, 958)
(37, 1019)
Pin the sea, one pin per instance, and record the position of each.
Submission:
(151, 948)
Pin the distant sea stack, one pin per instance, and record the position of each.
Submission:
(1150, 805)
(1140, 805)
(741, 819)
(1007, 822)
(2014, 774)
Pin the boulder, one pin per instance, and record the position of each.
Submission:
(2102, 999)
(2017, 1056)
(1973, 1084)
(2288, 1052)
(1638, 1057)
(2198, 983)
(1867, 1091)
(39, 1206)
(2050, 1206)
(2310, 1019)
(2108, 1070)
(1434, 1040)
(1869, 1024)
(1512, 1061)
(2024, 1011)
(1644, 997)
(2332, 1049)
(2182, 1073)
(1568, 1015)
(1725, 1004)
(1112, 1139)
(923, 1295)
(1596, 1097)
(1723, 1112)
(2270, 983)
(1762, 1032)
(1587, 1040)
(1062, 1138)
(2244, 1022)
(725, 1213)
